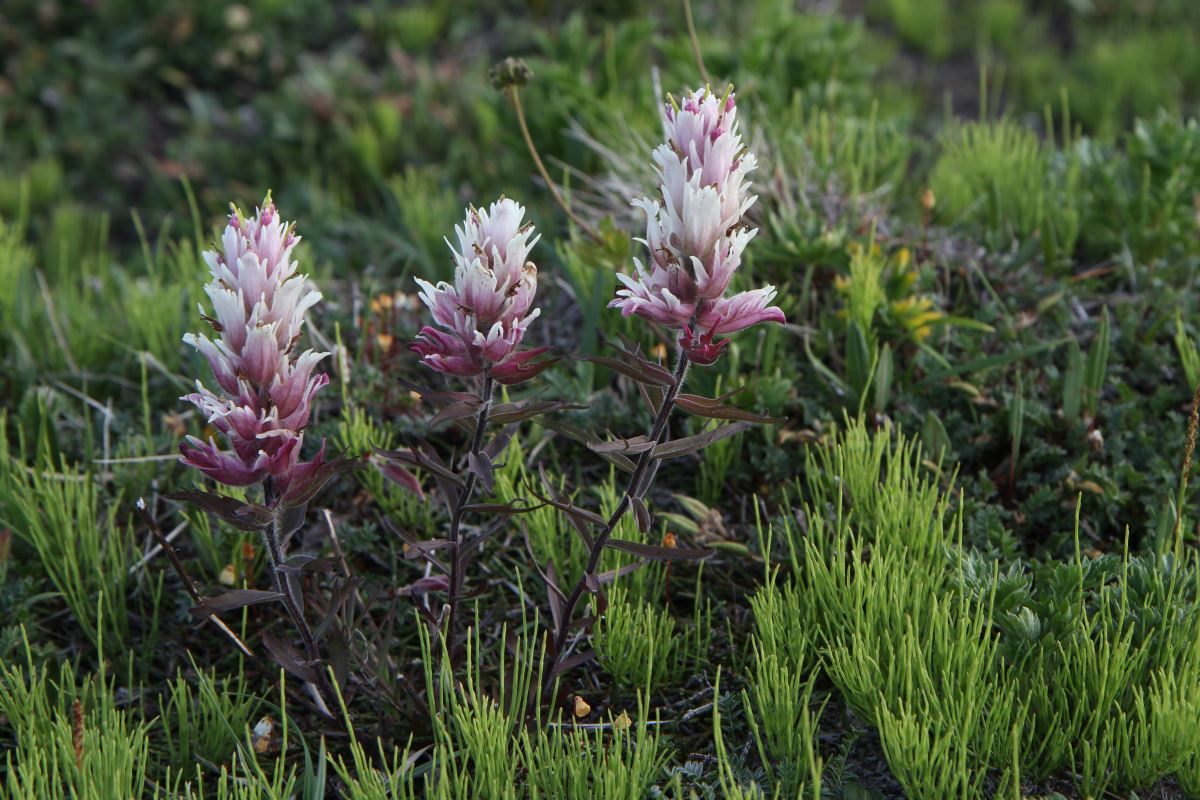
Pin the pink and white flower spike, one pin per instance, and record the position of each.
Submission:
(484, 315)
(694, 233)
(265, 390)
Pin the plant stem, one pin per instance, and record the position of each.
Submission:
(457, 565)
(691, 28)
(657, 429)
(283, 585)
(541, 168)
(1186, 471)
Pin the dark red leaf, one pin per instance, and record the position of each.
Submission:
(241, 515)
(690, 444)
(583, 437)
(231, 600)
(289, 658)
(439, 397)
(424, 460)
(632, 446)
(507, 413)
(642, 514)
(479, 465)
(573, 661)
(635, 367)
(499, 442)
(455, 410)
(341, 594)
(301, 564)
(656, 553)
(300, 492)
(715, 409)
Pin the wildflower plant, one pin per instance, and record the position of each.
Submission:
(263, 399)
(695, 240)
(481, 319)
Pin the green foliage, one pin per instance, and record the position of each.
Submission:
(1084, 674)
(1142, 196)
(622, 763)
(641, 645)
(925, 24)
(70, 736)
(1189, 356)
(82, 547)
(994, 175)
(778, 710)
(205, 722)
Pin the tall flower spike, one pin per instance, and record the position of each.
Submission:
(265, 390)
(484, 315)
(694, 233)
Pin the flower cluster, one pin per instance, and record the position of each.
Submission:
(694, 236)
(258, 304)
(488, 309)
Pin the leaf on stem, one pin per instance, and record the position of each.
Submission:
(583, 437)
(441, 398)
(632, 446)
(571, 662)
(289, 658)
(714, 408)
(241, 515)
(652, 396)
(303, 564)
(455, 410)
(341, 594)
(508, 413)
(430, 583)
(557, 599)
(580, 518)
(635, 367)
(517, 506)
(417, 548)
(657, 553)
(499, 442)
(300, 492)
(691, 444)
(611, 575)
(232, 600)
(426, 460)
(641, 514)
(479, 465)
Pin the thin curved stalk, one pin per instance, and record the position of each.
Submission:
(696, 54)
(515, 96)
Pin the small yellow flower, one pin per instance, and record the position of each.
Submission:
(582, 709)
(622, 723)
(228, 576)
